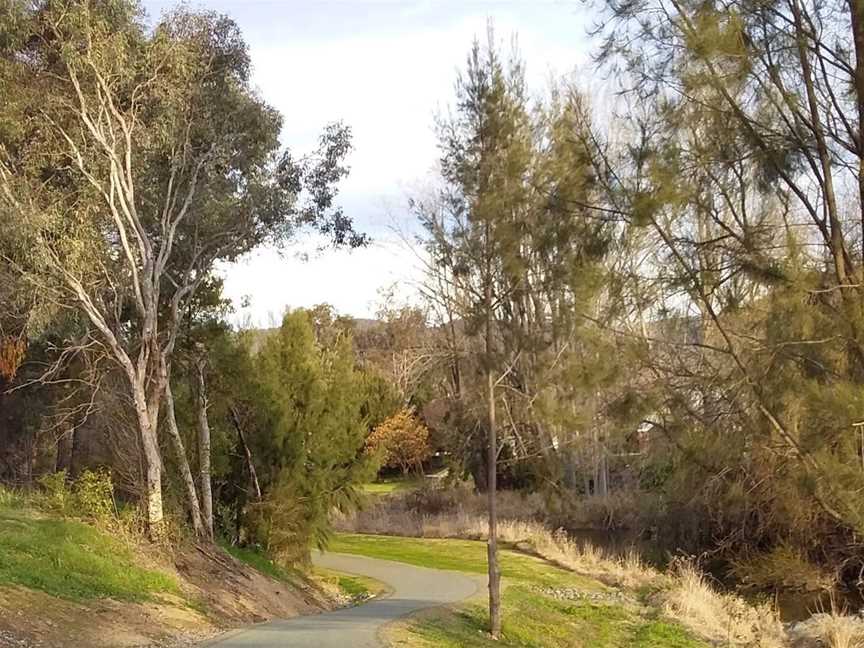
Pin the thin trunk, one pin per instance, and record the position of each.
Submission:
(204, 452)
(492, 472)
(856, 11)
(253, 475)
(183, 464)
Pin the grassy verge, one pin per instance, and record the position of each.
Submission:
(71, 560)
(458, 555)
(543, 606)
(390, 486)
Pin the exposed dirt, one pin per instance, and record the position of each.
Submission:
(219, 593)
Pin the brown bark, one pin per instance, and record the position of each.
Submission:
(492, 469)
(856, 11)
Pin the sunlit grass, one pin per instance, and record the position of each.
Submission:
(533, 616)
(72, 560)
(389, 486)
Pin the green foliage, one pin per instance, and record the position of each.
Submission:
(306, 411)
(90, 496)
(56, 492)
(93, 494)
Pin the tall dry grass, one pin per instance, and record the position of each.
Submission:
(834, 629)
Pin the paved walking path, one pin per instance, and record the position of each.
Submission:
(413, 588)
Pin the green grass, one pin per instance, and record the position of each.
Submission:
(532, 618)
(388, 486)
(459, 555)
(258, 560)
(72, 560)
(534, 621)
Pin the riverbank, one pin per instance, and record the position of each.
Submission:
(680, 593)
(543, 605)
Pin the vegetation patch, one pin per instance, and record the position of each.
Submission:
(72, 560)
(257, 559)
(353, 588)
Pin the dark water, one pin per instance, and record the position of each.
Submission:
(793, 605)
(797, 606)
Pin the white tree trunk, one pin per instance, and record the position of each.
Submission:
(204, 452)
(183, 463)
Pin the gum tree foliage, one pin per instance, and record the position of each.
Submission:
(132, 159)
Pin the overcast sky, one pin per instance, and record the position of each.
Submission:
(384, 68)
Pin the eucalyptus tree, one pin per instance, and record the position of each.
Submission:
(132, 160)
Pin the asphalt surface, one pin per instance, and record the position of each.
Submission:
(413, 588)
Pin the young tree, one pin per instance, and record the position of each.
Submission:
(514, 263)
(308, 438)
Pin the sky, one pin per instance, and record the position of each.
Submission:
(385, 68)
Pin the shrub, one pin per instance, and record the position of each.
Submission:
(93, 495)
(90, 496)
(56, 495)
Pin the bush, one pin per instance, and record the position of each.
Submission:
(93, 494)
(56, 495)
(90, 496)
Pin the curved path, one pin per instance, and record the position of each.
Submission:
(413, 588)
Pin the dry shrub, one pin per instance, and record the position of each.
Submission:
(401, 441)
(784, 567)
(834, 629)
(725, 619)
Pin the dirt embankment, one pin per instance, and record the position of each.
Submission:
(218, 592)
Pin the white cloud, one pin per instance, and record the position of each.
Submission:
(387, 86)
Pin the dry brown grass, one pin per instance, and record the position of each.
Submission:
(723, 619)
(834, 629)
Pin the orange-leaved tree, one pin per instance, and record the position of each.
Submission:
(401, 441)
